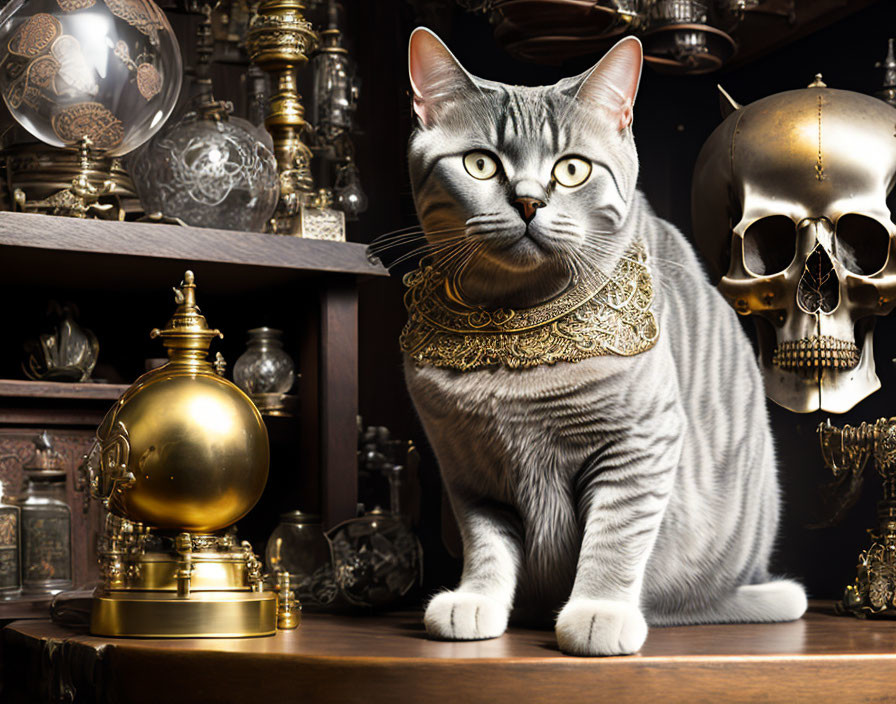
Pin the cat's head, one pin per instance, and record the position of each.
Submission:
(522, 184)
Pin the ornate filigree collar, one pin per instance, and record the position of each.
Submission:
(611, 316)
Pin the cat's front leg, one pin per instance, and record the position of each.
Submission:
(623, 498)
(480, 606)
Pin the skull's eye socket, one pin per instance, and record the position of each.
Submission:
(481, 165)
(862, 243)
(572, 171)
(770, 245)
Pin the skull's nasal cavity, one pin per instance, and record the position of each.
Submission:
(819, 287)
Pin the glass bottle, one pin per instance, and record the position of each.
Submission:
(298, 546)
(46, 523)
(265, 367)
(10, 575)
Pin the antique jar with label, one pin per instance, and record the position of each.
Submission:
(10, 575)
(46, 523)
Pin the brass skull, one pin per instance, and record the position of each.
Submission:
(790, 199)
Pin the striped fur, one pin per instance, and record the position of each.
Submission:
(613, 492)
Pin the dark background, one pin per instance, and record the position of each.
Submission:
(673, 117)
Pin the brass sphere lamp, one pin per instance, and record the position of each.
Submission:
(179, 458)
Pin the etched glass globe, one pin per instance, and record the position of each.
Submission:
(208, 171)
(105, 70)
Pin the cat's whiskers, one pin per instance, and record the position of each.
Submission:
(385, 242)
(447, 263)
(427, 250)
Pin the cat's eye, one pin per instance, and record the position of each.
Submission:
(572, 171)
(480, 165)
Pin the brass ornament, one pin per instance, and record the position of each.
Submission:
(179, 458)
(91, 121)
(279, 42)
(846, 451)
(613, 316)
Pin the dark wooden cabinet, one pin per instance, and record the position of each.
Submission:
(120, 274)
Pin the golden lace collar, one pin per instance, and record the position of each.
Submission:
(611, 317)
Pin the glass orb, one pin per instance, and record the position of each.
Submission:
(210, 173)
(265, 367)
(109, 71)
(298, 546)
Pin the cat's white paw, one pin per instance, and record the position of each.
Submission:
(600, 627)
(465, 616)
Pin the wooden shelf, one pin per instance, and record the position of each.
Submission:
(820, 658)
(36, 246)
(25, 607)
(15, 388)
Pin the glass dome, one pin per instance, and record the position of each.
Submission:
(106, 70)
(209, 172)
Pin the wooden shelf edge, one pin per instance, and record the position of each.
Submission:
(25, 608)
(185, 243)
(17, 388)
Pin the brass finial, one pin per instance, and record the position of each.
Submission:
(187, 335)
(818, 83)
(289, 611)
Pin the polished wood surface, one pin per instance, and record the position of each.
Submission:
(25, 607)
(193, 244)
(821, 658)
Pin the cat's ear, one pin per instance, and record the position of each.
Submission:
(435, 73)
(613, 82)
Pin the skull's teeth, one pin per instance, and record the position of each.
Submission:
(816, 352)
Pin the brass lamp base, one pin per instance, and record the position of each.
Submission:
(200, 615)
(184, 586)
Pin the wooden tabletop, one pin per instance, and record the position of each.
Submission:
(821, 658)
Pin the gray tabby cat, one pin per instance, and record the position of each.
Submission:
(619, 491)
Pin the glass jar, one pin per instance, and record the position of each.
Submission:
(265, 367)
(10, 575)
(298, 546)
(378, 559)
(46, 523)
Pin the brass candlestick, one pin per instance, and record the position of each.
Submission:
(846, 451)
(279, 42)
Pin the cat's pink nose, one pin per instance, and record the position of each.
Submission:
(527, 207)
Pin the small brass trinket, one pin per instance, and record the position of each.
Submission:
(846, 452)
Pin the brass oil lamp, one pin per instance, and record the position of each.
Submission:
(179, 458)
